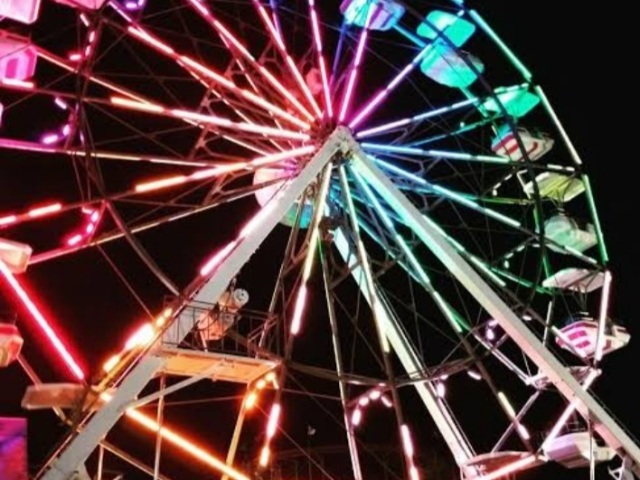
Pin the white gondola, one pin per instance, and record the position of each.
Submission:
(23, 11)
(566, 232)
(573, 450)
(10, 343)
(556, 186)
(385, 14)
(18, 57)
(535, 145)
(575, 279)
(582, 333)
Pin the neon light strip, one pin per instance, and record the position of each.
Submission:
(205, 119)
(279, 42)
(418, 271)
(376, 305)
(383, 93)
(223, 31)
(223, 169)
(50, 255)
(34, 213)
(199, 70)
(450, 194)
(315, 26)
(415, 118)
(181, 442)
(43, 324)
(214, 261)
(296, 320)
(437, 153)
(122, 91)
(409, 451)
(503, 46)
(474, 259)
(16, 84)
(353, 75)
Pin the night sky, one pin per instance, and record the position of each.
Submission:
(578, 56)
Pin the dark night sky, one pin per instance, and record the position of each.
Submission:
(580, 58)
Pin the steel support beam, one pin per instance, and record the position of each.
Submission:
(611, 432)
(77, 451)
(410, 360)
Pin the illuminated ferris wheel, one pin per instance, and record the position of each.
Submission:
(356, 222)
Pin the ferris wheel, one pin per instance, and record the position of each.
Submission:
(346, 224)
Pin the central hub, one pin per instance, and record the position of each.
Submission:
(322, 128)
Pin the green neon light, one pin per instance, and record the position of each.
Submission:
(503, 46)
(422, 274)
(465, 201)
(569, 144)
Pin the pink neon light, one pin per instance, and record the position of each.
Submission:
(13, 83)
(224, 32)
(301, 301)
(74, 240)
(42, 323)
(409, 451)
(315, 25)
(413, 472)
(45, 210)
(136, 105)
(207, 119)
(283, 51)
(60, 103)
(213, 262)
(257, 220)
(88, 229)
(407, 443)
(356, 417)
(151, 40)
(159, 184)
(356, 65)
(215, 171)
(50, 138)
(8, 220)
(191, 65)
(382, 94)
(274, 417)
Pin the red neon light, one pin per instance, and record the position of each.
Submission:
(57, 344)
